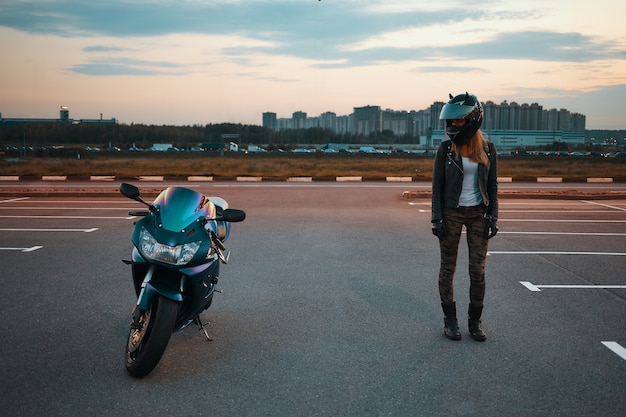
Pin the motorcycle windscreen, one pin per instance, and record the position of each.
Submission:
(181, 206)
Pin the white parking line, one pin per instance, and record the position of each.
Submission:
(554, 253)
(562, 233)
(93, 229)
(31, 249)
(14, 200)
(66, 217)
(562, 220)
(590, 211)
(538, 287)
(616, 348)
(49, 208)
(604, 205)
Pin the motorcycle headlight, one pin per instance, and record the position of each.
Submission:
(173, 255)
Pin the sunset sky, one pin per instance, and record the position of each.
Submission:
(198, 61)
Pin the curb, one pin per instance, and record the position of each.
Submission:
(200, 178)
(565, 194)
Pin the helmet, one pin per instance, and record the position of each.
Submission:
(464, 106)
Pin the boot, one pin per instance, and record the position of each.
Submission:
(451, 324)
(474, 324)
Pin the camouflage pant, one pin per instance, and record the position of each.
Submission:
(455, 219)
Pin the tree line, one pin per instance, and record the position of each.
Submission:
(143, 136)
(124, 136)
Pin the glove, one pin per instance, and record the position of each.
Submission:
(491, 228)
(439, 228)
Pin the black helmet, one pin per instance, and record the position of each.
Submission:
(464, 106)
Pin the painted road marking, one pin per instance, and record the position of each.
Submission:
(561, 211)
(14, 200)
(555, 253)
(31, 249)
(66, 217)
(537, 287)
(562, 221)
(49, 208)
(543, 212)
(616, 348)
(562, 233)
(93, 229)
(604, 205)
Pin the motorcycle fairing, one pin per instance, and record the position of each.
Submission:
(179, 207)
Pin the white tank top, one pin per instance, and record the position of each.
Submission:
(470, 193)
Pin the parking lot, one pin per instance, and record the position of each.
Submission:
(329, 308)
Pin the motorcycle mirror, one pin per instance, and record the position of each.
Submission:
(132, 192)
(129, 190)
(233, 215)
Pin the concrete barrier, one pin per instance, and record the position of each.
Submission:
(250, 179)
(599, 179)
(549, 179)
(399, 179)
(199, 179)
(54, 178)
(349, 179)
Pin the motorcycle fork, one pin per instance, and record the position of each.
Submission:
(137, 310)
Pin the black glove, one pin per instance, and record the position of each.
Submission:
(439, 228)
(491, 228)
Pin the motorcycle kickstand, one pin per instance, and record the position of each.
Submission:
(201, 326)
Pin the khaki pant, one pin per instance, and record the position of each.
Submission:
(473, 220)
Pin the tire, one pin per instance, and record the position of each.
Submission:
(146, 344)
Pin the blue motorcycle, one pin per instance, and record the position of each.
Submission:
(178, 248)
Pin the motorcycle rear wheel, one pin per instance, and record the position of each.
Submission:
(146, 344)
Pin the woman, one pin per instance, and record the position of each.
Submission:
(465, 193)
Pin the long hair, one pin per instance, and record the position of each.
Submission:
(476, 149)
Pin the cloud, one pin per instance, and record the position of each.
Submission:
(126, 66)
(345, 33)
(103, 48)
(540, 45)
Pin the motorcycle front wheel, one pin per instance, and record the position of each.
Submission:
(148, 337)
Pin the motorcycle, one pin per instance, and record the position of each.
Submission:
(178, 246)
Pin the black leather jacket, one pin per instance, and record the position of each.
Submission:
(448, 180)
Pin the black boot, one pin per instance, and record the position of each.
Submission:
(451, 324)
(474, 323)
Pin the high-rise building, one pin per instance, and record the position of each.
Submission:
(299, 120)
(328, 120)
(269, 120)
(367, 119)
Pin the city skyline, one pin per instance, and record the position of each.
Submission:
(372, 118)
(197, 62)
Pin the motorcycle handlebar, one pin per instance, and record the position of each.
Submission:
(229, 215)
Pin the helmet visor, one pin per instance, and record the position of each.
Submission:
(455, 111)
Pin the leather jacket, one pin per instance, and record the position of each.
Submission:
(448, 180)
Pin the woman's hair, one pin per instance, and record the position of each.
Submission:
(476, 149)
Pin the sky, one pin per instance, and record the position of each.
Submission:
(186, 62)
